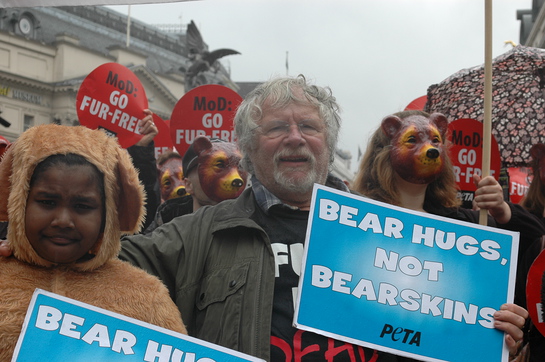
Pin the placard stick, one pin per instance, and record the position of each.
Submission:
(487, 120)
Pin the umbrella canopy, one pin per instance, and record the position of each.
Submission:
(518, 102)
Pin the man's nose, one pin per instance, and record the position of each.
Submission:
(294, 133)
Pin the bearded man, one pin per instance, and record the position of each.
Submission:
(233, 268)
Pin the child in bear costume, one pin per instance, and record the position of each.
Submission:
(87, 204)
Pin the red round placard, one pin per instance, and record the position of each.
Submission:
(112, 98)
(520, 179)
(533, 292)
(466, 152)
(4, 144)
(162, 141)
(417, 104)
(207, 110)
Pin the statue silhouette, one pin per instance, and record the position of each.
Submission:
(201, 59)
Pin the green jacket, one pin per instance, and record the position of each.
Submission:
(219, 268)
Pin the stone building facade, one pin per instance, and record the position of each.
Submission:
(46, 53)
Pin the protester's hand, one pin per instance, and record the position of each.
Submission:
(5, 249)
(511, 319)
(147, 128)
(489, 196)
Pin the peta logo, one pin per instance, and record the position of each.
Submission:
(402, 335)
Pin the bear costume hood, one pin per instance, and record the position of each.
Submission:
(124, 203)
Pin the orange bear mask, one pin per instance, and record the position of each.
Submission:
(220, 174)
(170, 178)
(417, 146)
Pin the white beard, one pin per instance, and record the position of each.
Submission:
(298, 184)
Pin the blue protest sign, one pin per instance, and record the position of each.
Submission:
(67, 330)
(404, 282)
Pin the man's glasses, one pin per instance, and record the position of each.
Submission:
(275, 129)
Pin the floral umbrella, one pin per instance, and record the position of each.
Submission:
(518, 102)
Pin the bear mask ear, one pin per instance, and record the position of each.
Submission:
(131, 197)
(391, 126)
(5, 184)
(441, 122)
(201, 144)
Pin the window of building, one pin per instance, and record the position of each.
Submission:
(28, 122)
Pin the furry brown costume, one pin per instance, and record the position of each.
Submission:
(103, 281)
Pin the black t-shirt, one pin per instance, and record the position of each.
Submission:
(286, 229)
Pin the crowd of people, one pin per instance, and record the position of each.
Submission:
(231, 267)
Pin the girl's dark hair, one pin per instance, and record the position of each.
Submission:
(69, 159)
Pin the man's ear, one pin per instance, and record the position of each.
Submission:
(188, 185)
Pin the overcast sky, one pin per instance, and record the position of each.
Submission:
(376, 55)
